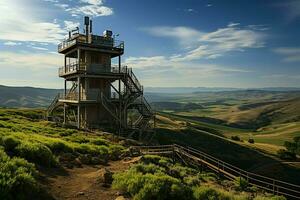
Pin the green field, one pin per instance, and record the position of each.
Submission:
(267, 117)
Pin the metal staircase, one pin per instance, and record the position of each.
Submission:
(132, 83)
(54, 104)
(109, 106)
(146, 112)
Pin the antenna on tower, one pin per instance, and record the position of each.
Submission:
(91, 26)
(87, 24)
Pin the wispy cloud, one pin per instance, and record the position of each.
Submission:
(39, 48)
(94, 8)
(184, 35)
(18, 24)
(291, 54)
(10, 43)
(71, 25)
(162, 70)
(210, 45)
(32, 61)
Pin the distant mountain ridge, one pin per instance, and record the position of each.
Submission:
(180, 90)
(29, 97)
(32, 97)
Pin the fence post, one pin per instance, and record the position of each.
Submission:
(273, 186)
(173, 153)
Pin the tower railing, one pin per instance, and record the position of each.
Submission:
(89, 95)
(72, 68)
(92, 39)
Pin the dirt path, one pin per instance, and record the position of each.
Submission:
(83, 183)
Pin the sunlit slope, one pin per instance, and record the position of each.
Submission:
(185, 132)
(257, 115)
(26, 96)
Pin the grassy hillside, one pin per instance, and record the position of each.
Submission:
(256, 158)
(268, 117)
(26, 96)
(41, 160)
(29, 145)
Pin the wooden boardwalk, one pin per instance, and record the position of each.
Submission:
(193, 156)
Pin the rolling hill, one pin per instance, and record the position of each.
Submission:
(26, 96)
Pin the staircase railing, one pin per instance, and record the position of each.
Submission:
(107, 105)
(229, 171)
(53, 104)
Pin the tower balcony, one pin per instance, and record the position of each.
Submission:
(100, 43)
(90, 96)
(93, 69)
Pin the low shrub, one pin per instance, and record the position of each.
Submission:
(286, 155)
(179, 171)
(204, 192)
(115, 151)
(212, 193)
(36, 153)
(241, 184)
(236, 138)
(99, 141)
(101, 152)
(251, 140)
(9, 142)
(151, 186)
(58, 146)
(191, 181)
(145, 169)
(157, 160)
(16, 178)
(269, 198)
(207, 177)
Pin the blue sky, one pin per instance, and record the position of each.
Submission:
(187, 43)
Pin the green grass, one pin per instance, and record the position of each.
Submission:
(33, 143)
(17, 178)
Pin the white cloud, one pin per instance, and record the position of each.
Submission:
(71, 25)
(162, 70)
(20, 24)
(291, 54)
(62, 5)
(184, 35)
(10, 43)
(162, 63)
(39, 48)
(93, 2)
(32, 61)
(232, 24)
(93, 8)
(211, 45)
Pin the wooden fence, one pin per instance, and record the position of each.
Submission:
(193, 156)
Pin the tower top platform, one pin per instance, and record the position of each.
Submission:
(105, 43)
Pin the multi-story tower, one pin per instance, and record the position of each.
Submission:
(96, 93)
